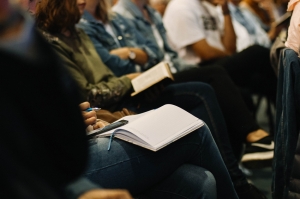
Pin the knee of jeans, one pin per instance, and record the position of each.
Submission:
(201, 182)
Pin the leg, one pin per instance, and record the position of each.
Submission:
(252, 69)
(138, 169)
(199, 99)
(188, 181)
(230, 100)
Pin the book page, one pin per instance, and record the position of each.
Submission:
(162, 124)
(151, 77)
(157, 128)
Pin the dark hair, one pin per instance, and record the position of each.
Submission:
(54, 16)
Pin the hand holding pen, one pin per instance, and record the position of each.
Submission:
(90, 116)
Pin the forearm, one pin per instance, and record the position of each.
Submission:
(207, 52)
(141, 57)
(229, 37)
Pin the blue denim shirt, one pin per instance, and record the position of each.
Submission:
(127, 36)
(129, 10)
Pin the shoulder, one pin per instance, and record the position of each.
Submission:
(122, 11)
(49, 37)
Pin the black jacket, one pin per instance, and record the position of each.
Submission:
(42, 134)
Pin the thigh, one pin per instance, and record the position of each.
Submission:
(188, 181)
(137, 169)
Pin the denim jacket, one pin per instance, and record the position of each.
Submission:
(129, 10)
(286, 170)
(127, 37)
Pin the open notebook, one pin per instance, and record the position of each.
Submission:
(157, 128)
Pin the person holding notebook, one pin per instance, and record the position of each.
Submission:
(126, 165)
(41, 158)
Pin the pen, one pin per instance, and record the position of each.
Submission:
(92, 109)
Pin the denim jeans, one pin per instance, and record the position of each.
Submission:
(199, 99)
(191, 167)
(287, 123)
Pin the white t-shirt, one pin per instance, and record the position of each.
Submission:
(160, 43)
(189, 21)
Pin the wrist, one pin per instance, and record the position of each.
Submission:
(225, 9)
(131, 54)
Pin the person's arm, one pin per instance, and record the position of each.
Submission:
(207, 52)
(229, 36)
(154, 54)
(108, 91)
(141, 56)
(106, 194)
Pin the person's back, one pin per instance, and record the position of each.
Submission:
(37, 139)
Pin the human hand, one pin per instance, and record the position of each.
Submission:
(123, 53)
(106, 194)
(100, 124)
(90, 117)
(132, 75)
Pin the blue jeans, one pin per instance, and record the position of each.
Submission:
(191, 167)
(200, 100)
(287, 123)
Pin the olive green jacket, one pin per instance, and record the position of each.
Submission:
(97, 82)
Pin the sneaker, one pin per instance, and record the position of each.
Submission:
(249, 191)
(259, 154)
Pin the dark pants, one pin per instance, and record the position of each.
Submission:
(191, 167)
(251, 69)
(238, 119)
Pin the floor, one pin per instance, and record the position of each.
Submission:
(262, 177)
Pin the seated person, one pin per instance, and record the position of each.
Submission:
(247, 28)
(108, 91)
(43, 150)
(264, 10)
(207, 42)
(105, 43)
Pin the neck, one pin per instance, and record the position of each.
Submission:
(91, 8)
(139, 3)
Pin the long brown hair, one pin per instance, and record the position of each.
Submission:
(55, 16)
(103, 11)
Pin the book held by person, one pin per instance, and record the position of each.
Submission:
(154, 75)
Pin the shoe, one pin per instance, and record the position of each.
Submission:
(249, 191)
(259, 154)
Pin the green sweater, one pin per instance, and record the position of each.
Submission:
(98, 84)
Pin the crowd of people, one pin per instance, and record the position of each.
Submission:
(63, 56)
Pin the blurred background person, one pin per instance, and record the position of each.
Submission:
(159, 5)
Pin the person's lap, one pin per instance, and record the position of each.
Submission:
(137, 169)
